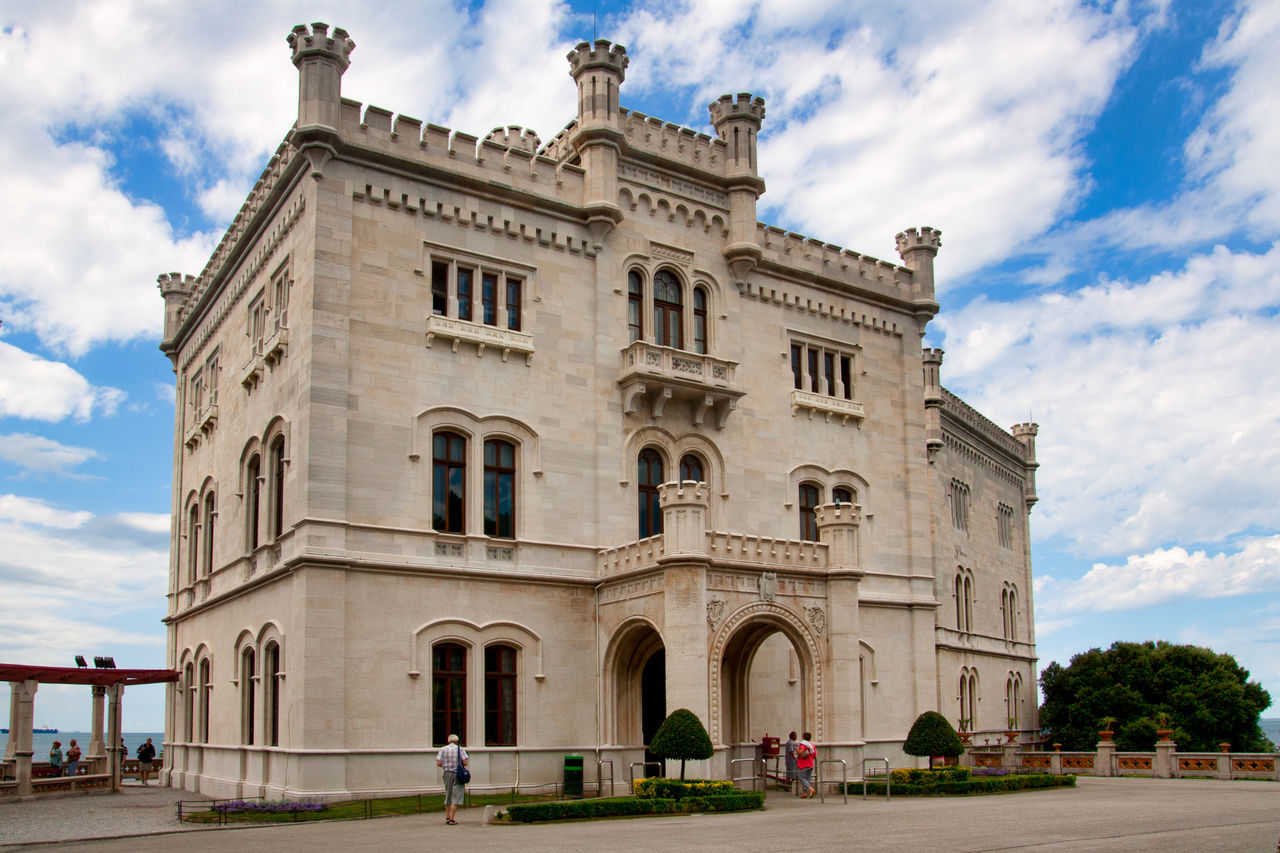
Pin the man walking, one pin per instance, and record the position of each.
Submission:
(146, 754)
(449, 759)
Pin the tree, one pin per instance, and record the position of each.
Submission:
(681, 736)
(931, 734)
(1207, 696)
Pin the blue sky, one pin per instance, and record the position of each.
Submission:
(1103, 174)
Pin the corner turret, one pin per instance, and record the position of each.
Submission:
(176, 289)
(599, 70)
(321, 61)
(918, 248)
(1025, 433)
(737, 122)
(932, 361)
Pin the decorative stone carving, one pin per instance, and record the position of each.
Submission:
(768, 585)
(817, 618)
(715, 611)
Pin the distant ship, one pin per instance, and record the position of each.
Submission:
(44, 731)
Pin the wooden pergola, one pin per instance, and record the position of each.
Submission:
(107, 684)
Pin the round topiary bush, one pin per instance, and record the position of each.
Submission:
(931, 734)
(682, 736)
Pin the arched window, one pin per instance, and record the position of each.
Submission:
(968, 602)
(842, 495)
(668, 307)
(1013, 613)
(500, 696)
(271, 681)
(1012, 690)
(810, 497)
(206, 693)
(189, 703)
(277, 487)
(499, 489)
(248, 677)
(210, 512)
(964, 600)
(449, 488)
(193, 542)
(691, 468)
(959, 596)
(965, 704)
(448, 692)
(648, 478)
(699, 320)
(253, 506)
(635, 306)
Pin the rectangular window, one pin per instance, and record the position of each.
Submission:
(499, 489)
(197, 396)
(489, 298)
(448, 487)
(829, 370)
(257, 323)
(464, 293)
(211, 377)
(513, 303)
(440, 288)
(448, 692)
(280, 298)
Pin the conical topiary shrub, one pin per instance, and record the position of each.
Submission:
(931, 734)
(681, 736)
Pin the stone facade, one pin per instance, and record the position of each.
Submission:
(537, 442)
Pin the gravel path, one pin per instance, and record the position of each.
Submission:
(136, 810)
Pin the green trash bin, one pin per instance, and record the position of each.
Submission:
(573, 775)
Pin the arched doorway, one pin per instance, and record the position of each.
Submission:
(768, 678)
(637, 683)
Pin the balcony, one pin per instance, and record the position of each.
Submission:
(830, 407)
(506, 341)
(659, 375)
(202, 425)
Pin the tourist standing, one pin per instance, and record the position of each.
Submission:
(806, 757)
(73, 758)
(55, 757)
(146, 754)
(448, 759)
(789, 751)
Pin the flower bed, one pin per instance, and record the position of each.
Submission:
(634, 806)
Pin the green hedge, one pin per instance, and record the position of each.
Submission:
(983, 785)
(674, 789)
(633, 806)
(919, 776)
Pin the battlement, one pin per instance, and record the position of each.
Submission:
(515, 136)
(982, 425)
(175, 283)
(835, 263)
(745, 106)
(603, 54)
(932, 355)
(316, 41)
(912, 239)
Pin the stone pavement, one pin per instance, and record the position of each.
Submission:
(1115, 814)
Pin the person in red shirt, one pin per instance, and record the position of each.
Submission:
(806, 758)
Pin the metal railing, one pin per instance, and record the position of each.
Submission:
(635, 764)
(753, 778)
(864, 776)
(600, 763)
(844, 777)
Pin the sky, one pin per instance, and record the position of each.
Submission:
(1103, 173)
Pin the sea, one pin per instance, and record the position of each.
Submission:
(42, 743)
(1271, 728)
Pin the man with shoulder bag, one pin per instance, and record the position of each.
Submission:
(454, 761)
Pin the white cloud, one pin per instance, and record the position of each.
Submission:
(1158, 400)
(971, 123)
(37, 453)
(35, 388)
(38, 512)
(1163, 576)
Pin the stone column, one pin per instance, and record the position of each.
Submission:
(95, 736)
(1162, 764)
(1102, 758)
(114, 719)
(838, 528)
(684, 563)
(22, 699)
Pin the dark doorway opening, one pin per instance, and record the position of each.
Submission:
(653, 700)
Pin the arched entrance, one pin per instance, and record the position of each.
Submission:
(637, 683)
(768, 678)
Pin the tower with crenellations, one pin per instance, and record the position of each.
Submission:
(534, 442)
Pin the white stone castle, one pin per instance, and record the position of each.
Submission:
(534, 443)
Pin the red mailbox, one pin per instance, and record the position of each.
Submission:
(769, 747)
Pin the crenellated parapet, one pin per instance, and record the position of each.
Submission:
(321, 60)
(1026, 433)
(829, 262)
(175, 289)
(515, 136)
(918, 248)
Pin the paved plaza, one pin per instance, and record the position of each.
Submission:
(1101, 814)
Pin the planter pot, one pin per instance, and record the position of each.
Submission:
(1106, 734)
(1224, 747)
(1164, 734)
(1011, 736)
